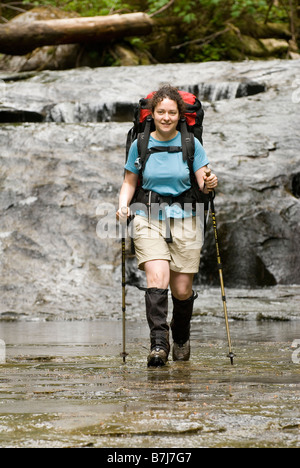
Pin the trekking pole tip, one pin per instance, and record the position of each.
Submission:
(231, 355)
(124, 355)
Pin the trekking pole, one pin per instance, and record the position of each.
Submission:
(123, 354)
(213, 216)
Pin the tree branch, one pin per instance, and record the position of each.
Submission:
(204, 40)
(162, 9)
(16, 39)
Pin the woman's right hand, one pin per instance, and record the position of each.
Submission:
(122, 214)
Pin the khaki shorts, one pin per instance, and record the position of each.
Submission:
(183, 253)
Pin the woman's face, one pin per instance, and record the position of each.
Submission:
(166, 117)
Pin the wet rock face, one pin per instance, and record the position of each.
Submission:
(19, 115)
(61, 169)
(227, 90)
(296, 185)
(57, 107)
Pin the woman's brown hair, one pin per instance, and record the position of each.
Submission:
(168, 91)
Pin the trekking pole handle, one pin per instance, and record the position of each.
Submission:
(208, 173)
(123, 211)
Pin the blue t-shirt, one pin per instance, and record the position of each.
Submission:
(166, 173)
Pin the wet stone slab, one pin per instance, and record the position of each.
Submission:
(64, 385)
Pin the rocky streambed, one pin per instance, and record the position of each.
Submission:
(64, 385)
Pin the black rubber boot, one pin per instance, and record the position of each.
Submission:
(157, 313)
(181, 326)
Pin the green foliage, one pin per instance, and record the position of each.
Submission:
(203, 20)
(186, 10)
(86, 7)
(155, 5)
(247, 6)
(189, 11)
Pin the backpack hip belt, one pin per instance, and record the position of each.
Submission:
(157, 203)
(149, 197)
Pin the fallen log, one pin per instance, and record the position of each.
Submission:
(19, 39)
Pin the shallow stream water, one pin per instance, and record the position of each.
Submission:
(64, 385)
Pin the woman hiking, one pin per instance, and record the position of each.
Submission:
(169, 260)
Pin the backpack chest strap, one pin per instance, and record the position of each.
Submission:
(163, 149)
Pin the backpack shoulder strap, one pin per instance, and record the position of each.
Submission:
(188, 142)
(142, 144)
(143, 138)
(188, 150)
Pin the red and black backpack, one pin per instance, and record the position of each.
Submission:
(190, 126)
